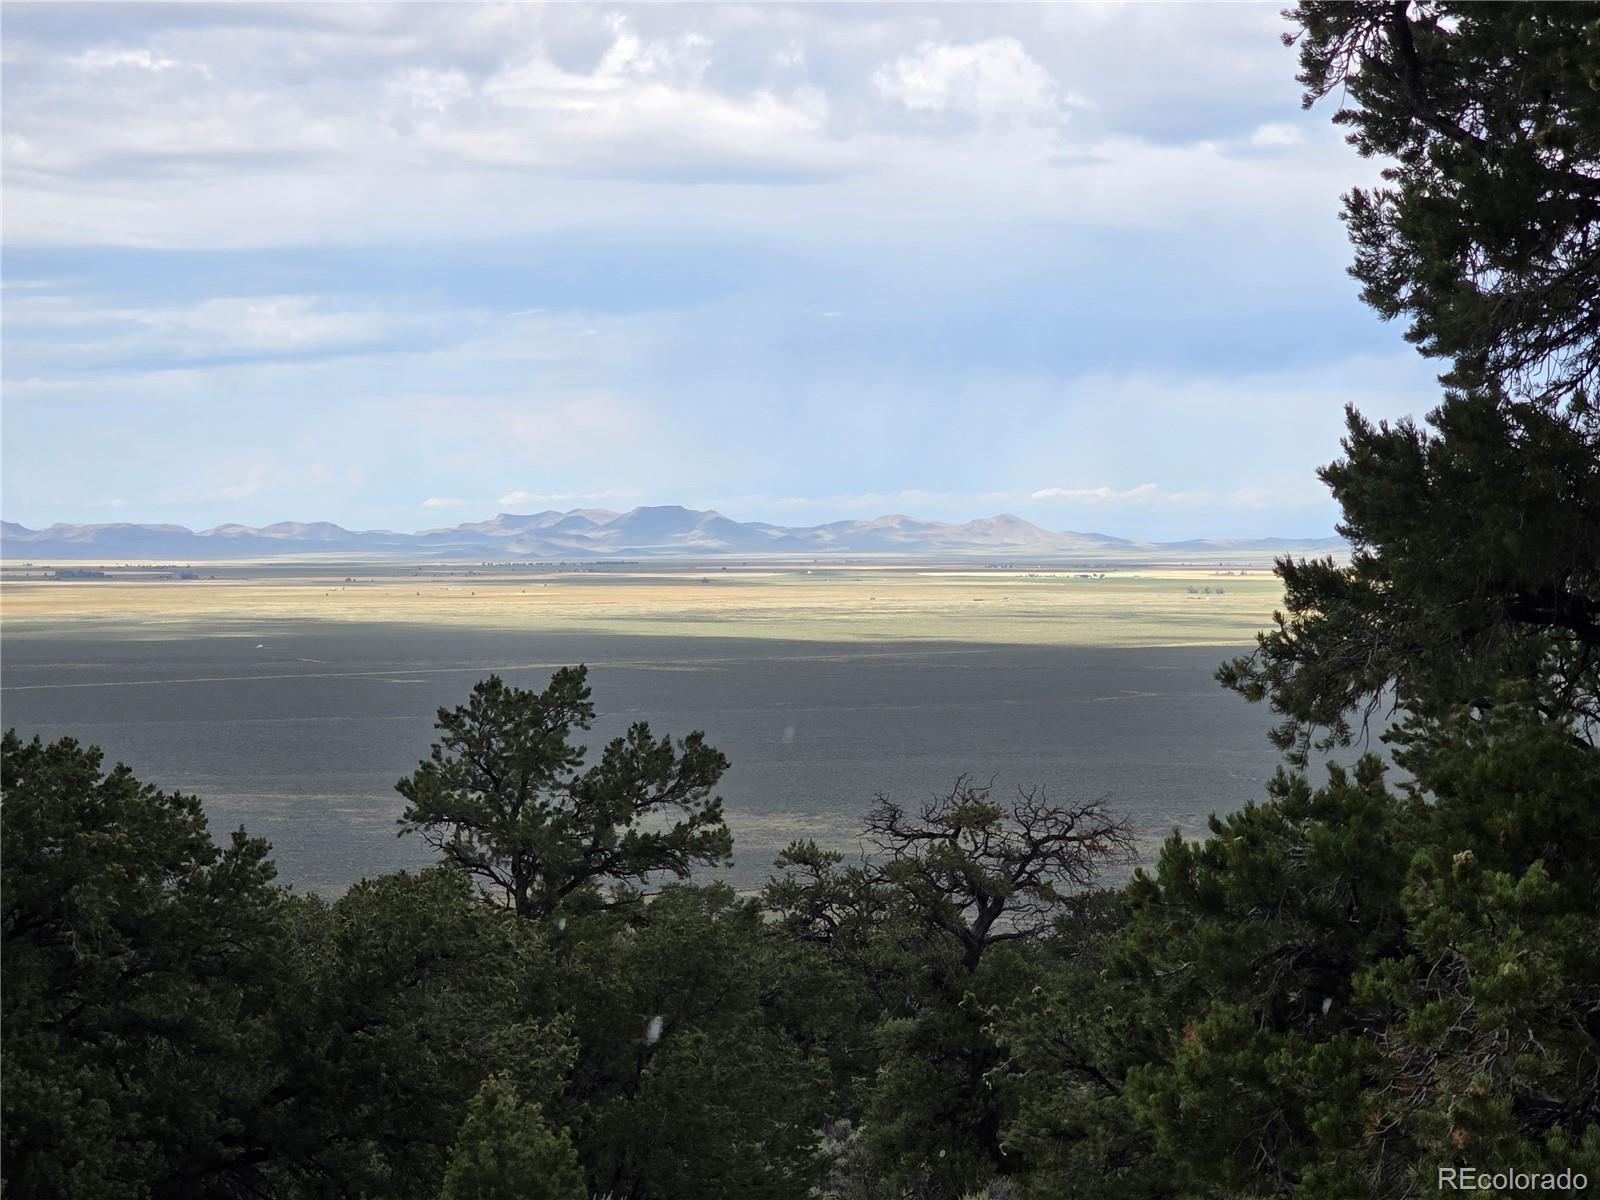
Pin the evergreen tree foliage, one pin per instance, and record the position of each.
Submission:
(1349, 986)
(399, 996)
(1475, 567)
(502, 798)
(1476, 539)
(692, 1080)
(933, 930)
(1338, 991)
(138, 961)
(506, 1151)
(1483, 232)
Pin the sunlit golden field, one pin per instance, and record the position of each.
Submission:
(1146, 607)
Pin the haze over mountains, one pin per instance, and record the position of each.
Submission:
(654, 531)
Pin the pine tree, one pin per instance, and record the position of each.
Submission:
(506, 1151)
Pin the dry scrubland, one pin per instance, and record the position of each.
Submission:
(1154, 606)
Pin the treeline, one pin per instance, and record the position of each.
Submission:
(1363, 978)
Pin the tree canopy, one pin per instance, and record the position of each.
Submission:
(506, 1151)
(1483, 234)
(502, 798)
(136, 957)
(1476, 537)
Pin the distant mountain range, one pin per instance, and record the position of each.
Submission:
(658, 531)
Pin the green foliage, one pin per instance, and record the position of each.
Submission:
(933, 1119)
(506, 1151)
(1249, 942)
(1477, 540)
(1476, 567)
(406, 990)
(1337, 991)
(1489, 1020)
(1472, 607)
(1485, 114)
(1069, 1042)
(176, 1026)
(690, 1082)
(138, 961)
(501, 798)
(933, 933)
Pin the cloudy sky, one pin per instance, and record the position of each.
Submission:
(404, 266)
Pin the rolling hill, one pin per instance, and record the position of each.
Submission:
(651, 531)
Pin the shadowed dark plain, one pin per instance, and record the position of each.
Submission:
(298, 730)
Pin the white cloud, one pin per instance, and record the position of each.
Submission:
(643, 111)
(790, 57)
(1276, 134)
(388, 129)
(103, 58)
(444, 502)
(270, 322)
(989, 79)
(114, 502)
(1096, 495)
(230, 326)
(686, 55)
(361, 123)
(430, 91)
(1247, 496)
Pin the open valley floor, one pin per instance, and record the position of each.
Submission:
(291, 700)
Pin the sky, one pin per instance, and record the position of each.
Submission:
(403, 266)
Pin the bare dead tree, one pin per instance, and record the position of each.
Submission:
(984, 873)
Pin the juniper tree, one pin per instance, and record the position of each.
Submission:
(937, 924)
(981, 873)
(506, 1151)
(502, 798)
(139, 968)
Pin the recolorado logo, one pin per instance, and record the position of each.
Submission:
(1472, 1179)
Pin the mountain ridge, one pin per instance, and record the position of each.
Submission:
(645, 531)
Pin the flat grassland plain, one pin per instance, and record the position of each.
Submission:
(290, 697)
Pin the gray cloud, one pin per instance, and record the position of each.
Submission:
(286, 124)
(816, 258)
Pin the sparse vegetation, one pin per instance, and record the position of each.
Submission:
(1339, 990)
(776, 602)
